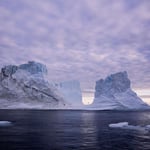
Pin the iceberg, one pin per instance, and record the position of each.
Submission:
(31, 67)
(115, 93)
(34, 67)
(5, 123)
(119, 125)
(71, 92)
(25, 86)
(125, 125)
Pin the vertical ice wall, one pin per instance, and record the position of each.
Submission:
(71, 92)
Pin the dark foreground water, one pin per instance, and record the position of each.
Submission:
(67, 130)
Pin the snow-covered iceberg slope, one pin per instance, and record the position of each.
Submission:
(25, 86)
(115, 93)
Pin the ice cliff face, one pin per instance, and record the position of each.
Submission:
(71, 92)
(115, 93)
(31, 67)
(24, 86)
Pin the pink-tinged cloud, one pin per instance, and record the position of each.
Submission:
(80, 39)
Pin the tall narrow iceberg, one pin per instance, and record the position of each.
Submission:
(71, 92)
(115, 93)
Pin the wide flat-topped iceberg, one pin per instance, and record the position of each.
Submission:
(25, 86)
(115, 93)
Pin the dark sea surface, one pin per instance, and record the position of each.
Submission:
(67, 130)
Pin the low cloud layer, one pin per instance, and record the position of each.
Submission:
(81, 39)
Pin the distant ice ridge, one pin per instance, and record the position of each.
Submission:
(25, 86)
(125, 125)
(115, 93)
(71, 92)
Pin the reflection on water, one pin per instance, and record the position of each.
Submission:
(89, 130)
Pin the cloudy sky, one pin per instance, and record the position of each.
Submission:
(79, 39)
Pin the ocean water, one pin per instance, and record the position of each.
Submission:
(68, 130)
